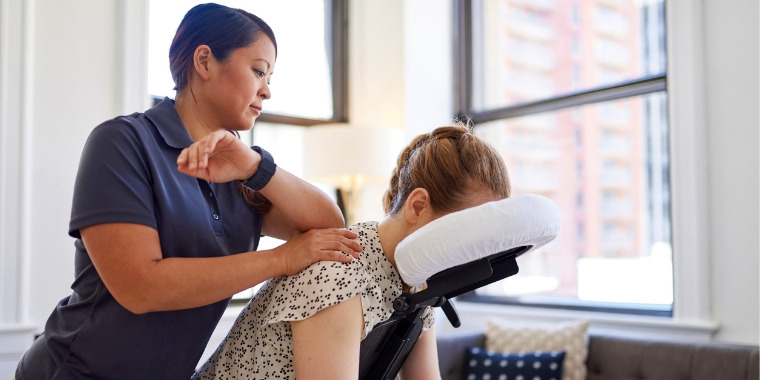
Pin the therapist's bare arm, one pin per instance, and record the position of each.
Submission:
(128, 258)
(298, 206)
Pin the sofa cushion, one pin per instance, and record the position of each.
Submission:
(630, 358)
(452, 346)
(490, 365)
(570, 337)
(626, 358)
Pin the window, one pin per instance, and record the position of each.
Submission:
(309, 80)
(579, 115)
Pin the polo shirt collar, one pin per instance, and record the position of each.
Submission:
(169, 125)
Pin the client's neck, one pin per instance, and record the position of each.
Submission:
(391, 231)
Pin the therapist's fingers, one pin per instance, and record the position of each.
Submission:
(193, 159)
(345, 243)
(338, 256)
(200, 150)
(332, 244)
(188, 158)
(196, 156)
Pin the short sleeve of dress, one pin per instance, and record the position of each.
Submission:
(428, 318)
(323, 284)
(113, 181)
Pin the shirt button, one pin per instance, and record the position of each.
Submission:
(216, 217)
(210, 195)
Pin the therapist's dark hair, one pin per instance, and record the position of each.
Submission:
(450, 163)
(222, 28)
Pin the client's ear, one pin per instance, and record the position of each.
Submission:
(416, 204)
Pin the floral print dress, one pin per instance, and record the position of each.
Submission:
(259, 345)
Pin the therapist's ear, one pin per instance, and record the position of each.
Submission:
(416, 205)
(201, 59)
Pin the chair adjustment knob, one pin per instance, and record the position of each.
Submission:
(401, 303)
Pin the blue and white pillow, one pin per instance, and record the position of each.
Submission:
(481, 364)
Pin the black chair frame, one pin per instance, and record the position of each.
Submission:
(387, 346)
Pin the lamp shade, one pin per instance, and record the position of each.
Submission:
(348, 157)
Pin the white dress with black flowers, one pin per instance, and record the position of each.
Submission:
(259, 345)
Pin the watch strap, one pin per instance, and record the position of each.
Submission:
(264, 173)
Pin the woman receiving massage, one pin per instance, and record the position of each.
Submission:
(310, 325)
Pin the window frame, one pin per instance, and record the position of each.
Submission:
(338, 22)
(686, 290)
(463, 51)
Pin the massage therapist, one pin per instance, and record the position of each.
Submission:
(168, 209)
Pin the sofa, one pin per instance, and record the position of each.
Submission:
(621, 358)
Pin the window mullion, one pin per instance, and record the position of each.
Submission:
(624, 90)
(463, 52)
(275, 118)
(339, 62)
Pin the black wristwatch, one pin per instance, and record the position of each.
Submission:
(264, 173)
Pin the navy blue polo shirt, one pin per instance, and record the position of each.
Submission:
(128, 174)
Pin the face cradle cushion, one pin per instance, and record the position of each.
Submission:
(464, 236)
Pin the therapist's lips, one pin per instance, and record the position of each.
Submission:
(256, 110)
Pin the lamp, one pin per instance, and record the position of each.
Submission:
(350, 158)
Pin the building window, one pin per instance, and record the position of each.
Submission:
(575, 17)
(614, 251)
(309, 80)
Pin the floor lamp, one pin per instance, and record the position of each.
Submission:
(349, 158)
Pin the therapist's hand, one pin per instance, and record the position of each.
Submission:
(333, 244)
(218, 157)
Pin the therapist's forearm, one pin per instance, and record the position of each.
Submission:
(304, 205)
(184, 283)
(129, 260)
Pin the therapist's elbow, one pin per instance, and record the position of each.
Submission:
(135, 302)
(338, 221)
(136, 307)
(337, 217)
(329, 218)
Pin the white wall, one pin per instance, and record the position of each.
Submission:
(69, 82)
(73, 51)
(75, 87)
(732, 65)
